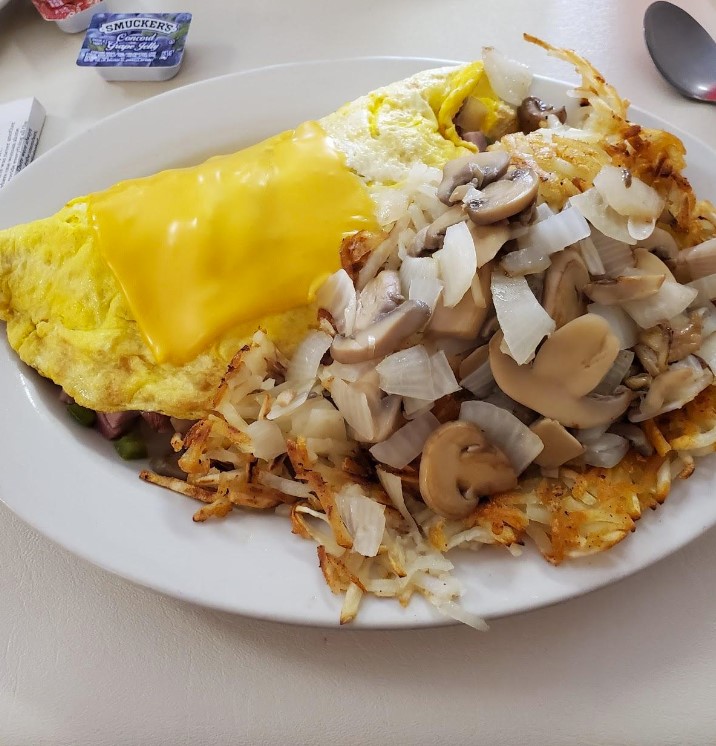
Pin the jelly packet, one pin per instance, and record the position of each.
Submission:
(135, 46)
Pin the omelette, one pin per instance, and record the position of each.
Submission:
(136, 298)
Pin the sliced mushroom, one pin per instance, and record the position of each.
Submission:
(459, 465)
(610, 292)
(564, 282)
(560, 446)
(378, 298)
(476, 359)
(533, 112)
(466, 318)
(685, 335)
(504, 198)
(382, 337)
(478, 169)
(488, 240)
(566, 368)
(434, 234)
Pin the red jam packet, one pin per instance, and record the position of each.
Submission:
(57, 10)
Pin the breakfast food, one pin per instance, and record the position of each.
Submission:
(515, 341)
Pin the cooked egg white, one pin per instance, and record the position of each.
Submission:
(138, 296)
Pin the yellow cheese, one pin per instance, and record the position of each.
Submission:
(200, 250)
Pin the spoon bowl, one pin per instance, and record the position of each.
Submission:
(682, 50)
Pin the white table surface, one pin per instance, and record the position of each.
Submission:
(87, 658)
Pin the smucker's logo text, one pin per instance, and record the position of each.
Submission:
(139, 24)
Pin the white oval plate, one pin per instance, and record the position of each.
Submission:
(70, 485)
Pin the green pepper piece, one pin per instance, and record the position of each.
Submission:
(85, 417)
(130, 447)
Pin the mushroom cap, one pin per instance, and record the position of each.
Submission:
(478, 168)
(458, 465)
(564, 282)
(382, 336)
(533, 111)
(567, 367)
(504, 198)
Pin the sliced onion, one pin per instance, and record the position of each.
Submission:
(621, 323)
(480, 381)
(444, 381)
(413, 408)
(558, 231)
(408, 373)
(671, 299)
(406, 444)
(288, 398)
(353, 405)
(351, 372)
(616, 256)
(391, 203)
(615, 375)
(510, 80)
(393, 485)
(707, 351)
(591, 257)
(601, 216)
(708, 319)
(527, 261)
(307, 357)
(457, 263)
(364, 518)
(640, 229)
(700, 260)
(662, 243)
(338, 296)
(705, 286)
(542, 212)
(505, 431)
(419, 279)
(522, 319)
(267, 440)
(605, 451)
(287, 486)
(628, 195)
(319, 420)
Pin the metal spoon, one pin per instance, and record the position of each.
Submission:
(682, 50)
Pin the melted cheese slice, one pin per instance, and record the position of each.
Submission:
(200, 250)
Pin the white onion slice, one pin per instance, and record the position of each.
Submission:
(708, 319)
(457, 263)
(558, 231)
(307, 357)
(668, 301)
(616, 256)
(267, 440)
(640, 229)
(406, 444)
(605, 451)
(364, 518)
(393, 486)
(706, 287)
(628, 195)
(287, 486)
(480, 382)
(527, 261)
(700, 259)
(353, 405)
(444, 381)
(510, 80)
(338, 296)
(505, 431)
(615, 375)
(407, 373)
(601, 216)
(522, 319)
(621, 323)
(707, 352)
(288, 398)
(419, 279)
(591, 256)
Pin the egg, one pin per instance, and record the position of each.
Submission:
(136, 298)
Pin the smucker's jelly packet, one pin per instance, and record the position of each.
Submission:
(135, 46)
(69, 15)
